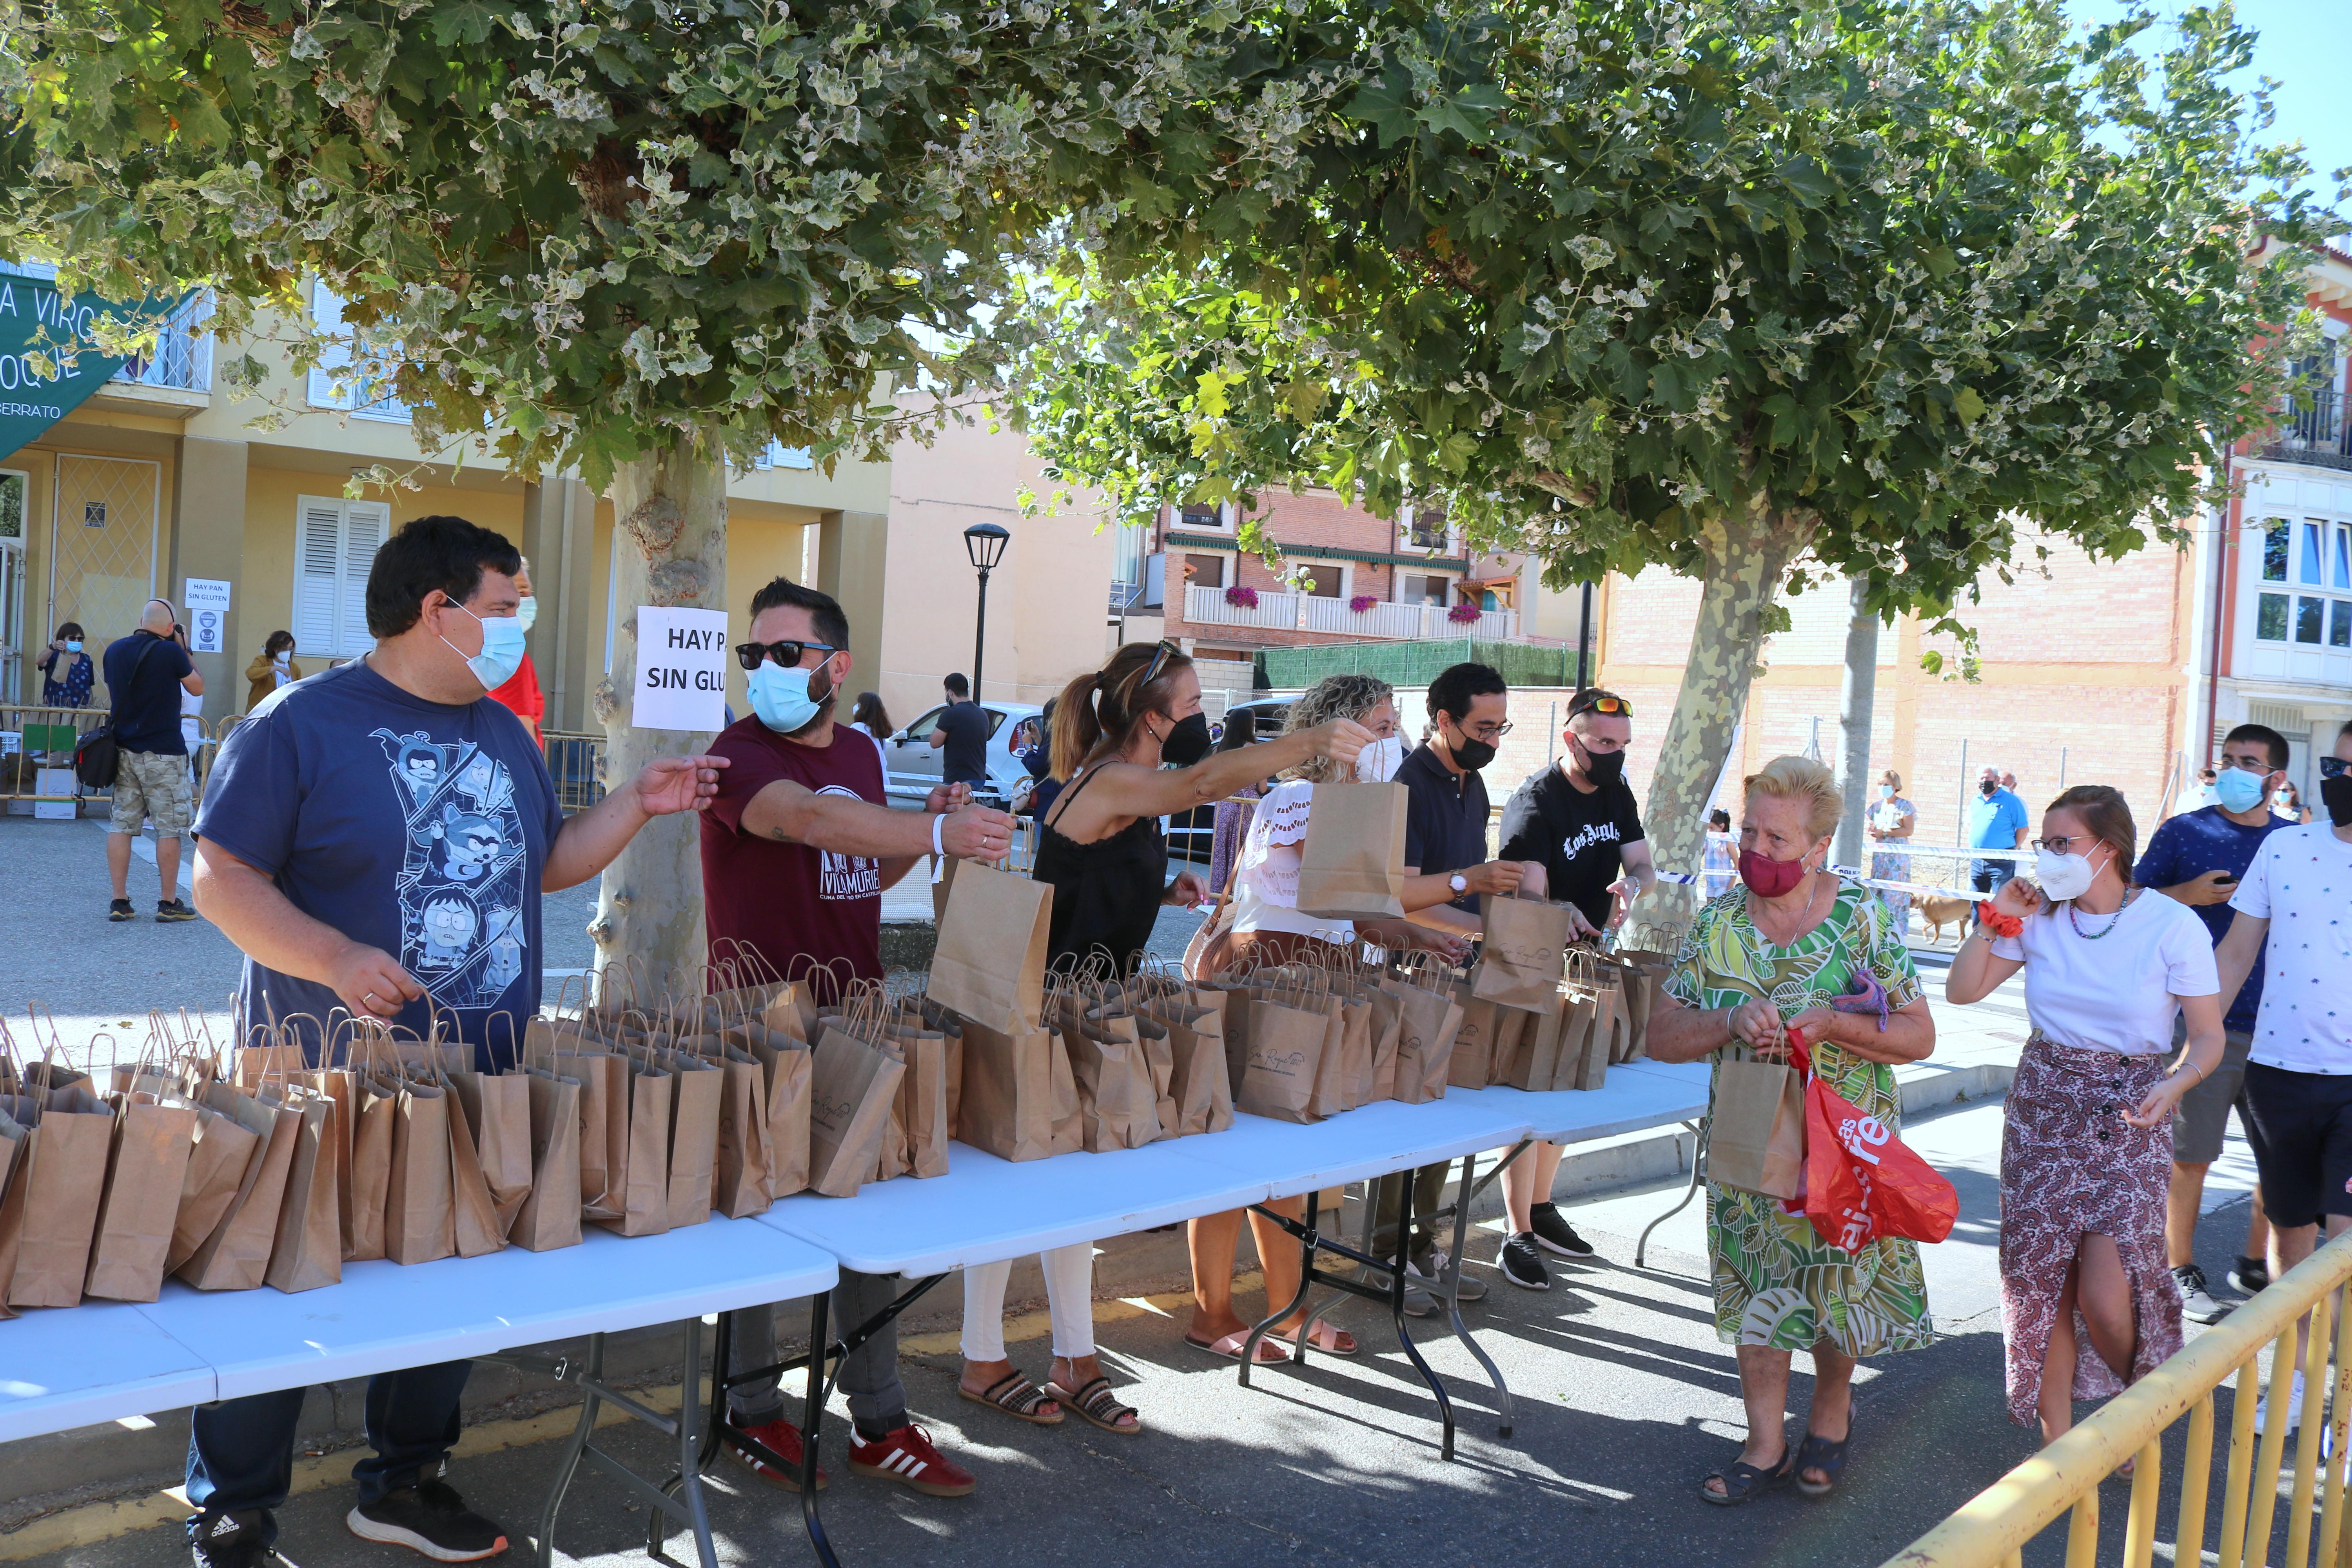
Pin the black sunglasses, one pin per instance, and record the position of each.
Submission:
(752, 655)
(2333, 767)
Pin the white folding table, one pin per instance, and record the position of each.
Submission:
(99, 1362)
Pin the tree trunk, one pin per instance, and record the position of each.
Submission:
(670, 550)
(1745, 555)
(1855, 701)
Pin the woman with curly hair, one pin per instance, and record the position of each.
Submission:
(1267, 924)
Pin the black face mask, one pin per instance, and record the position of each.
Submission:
(2335, 794)
(1986, 788)
(1603, 767)
(1471, 755)
(1188, 742)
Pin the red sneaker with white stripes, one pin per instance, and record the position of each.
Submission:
(907, 1456)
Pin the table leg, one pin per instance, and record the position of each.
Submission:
(1396, 1313)
(574, 1446)
(691, 1454)
(1453, 1293)
(1698, 1161)
(1307, 1244)
(812, 1417)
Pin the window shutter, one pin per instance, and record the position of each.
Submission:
(327, 312)
(318, 576)
(366, 525)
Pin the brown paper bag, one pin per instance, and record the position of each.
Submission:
(1200, 1090)
(1159, 1061)
(1474, 1041)
(1531, 1061)
(1117, 1106)
(1756, 1130)
(1386, 1025)
(604, 1108)
(215, 1173)
(308, 1250)
(235, 1255)
(1427, 1022)
(144, 1173)
(497, 1110)
(375, 1108)
(550, 1215)
(990, 965)
(51, 1213)
(472, 1211)
(1522, 958)
(1286, 1053)
(1008, 1105)
(1642, 978)
(853, 1087)
(1069, 1125)
(694, 1137)
(791, 1011)
(923, 1102)
(1331, 1068)
(784, 1065)
(420, 1219)
(640, 1156)
(1352, 866)
(742, 1171)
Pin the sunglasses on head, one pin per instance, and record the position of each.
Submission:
(752, 655)
(1158, 661)
(1611, 707)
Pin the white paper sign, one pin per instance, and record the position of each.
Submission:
(681, 669)
(205, 602)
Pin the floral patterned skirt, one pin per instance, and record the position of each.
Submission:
(1886, 868)
(1778, 1284)
(2070, 1166)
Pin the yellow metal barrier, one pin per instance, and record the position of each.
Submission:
(1991, 1530)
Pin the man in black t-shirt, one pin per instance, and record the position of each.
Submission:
(1577, 821)
(145, 673)
(961, 730)
(1577, 818)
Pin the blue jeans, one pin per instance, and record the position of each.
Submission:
(1987, 876)
(241, 1451)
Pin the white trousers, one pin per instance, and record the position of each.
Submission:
(1069, 1299)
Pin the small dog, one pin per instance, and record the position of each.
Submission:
(1934, 912)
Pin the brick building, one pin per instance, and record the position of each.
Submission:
(2123, 672)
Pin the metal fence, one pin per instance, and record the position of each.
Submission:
(576, 760)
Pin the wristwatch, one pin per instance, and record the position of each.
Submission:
(1459, 883)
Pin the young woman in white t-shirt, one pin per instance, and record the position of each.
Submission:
(2087, 1135)
(1267, 925)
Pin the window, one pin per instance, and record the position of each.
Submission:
(1322, 579)
(2270, 618)
(776, 454)
(335, 541)
(2339, 624)
(1201, 515)
(2341, 577)
(1419, 590)
(12, 504)
(2308, 614)
(1127, 547)
(1208, 570)
(333, 385)
(1424, 527)
(2274, 542)
(2313, 557)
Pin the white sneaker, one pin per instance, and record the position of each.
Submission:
(2295, 1408)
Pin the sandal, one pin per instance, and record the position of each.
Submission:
(1017, 1397)
(1743, 1481)
(1095, 1403)
(1269, 1350)
(1817, 1453)
(1326, 1336)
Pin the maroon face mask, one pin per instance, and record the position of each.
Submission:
(1768, 878)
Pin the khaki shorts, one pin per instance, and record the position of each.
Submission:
(150, 784)
(2204, 1115)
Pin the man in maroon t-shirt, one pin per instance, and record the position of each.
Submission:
(796, 850)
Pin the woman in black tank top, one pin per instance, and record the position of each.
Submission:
(1100, 844)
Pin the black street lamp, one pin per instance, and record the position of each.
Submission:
(984, 542)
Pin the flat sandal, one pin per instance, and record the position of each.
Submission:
(1017, 1397)
(1095, 1403)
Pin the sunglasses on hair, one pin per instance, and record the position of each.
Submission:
(752, 655)
(1158, 661)
(1612, 707)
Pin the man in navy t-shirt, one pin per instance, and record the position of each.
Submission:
(373, 837)
(2197, 858)
(145, 674)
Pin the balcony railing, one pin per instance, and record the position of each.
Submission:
(1313, 612)
(183, 351)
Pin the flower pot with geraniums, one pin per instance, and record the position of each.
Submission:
(1362, 601)
(1242, 596)
(1462, 615)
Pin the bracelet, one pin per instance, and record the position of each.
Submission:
(939, 821)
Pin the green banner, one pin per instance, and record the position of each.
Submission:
(34, 318)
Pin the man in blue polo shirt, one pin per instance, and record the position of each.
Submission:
(1996, 821)
(2197, 858)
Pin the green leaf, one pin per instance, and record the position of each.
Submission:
(1967, 405)
(1386, 104)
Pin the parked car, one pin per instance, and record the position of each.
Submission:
(910, 764)
(1191, 833)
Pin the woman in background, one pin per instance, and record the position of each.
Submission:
(1893, 819)
(1232, 817)
(66, 672)
(272, 668)
(870, 716)
(2288, 803)
(520, 695)
(1716, 863)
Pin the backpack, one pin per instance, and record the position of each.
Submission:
(97, 759)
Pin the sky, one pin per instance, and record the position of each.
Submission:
(2306, 47)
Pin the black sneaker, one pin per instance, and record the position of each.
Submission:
(230, 1541)
(430, 1518)
(2249, 1276)
(2197, 1304)
(172, 909)
(121, 909)
(1555, 1235)
(1522, 1263)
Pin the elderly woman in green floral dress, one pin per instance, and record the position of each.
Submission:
(1798, 947)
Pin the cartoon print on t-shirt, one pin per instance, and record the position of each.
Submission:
(462, 877)
(847, 876)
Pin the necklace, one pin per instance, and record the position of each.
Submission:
(2096, 935)
(1803, 915)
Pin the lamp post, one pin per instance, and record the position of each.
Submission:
(984, 542)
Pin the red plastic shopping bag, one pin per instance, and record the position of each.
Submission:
(1861, 1182)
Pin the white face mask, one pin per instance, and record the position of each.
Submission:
(1377, 762)
(2063, 877)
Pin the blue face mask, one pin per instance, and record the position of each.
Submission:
(781, 697)
(2235, 789)
(526, 612)
(502, 651)
(73, 644)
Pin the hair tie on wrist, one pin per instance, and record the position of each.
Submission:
(939, 821)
